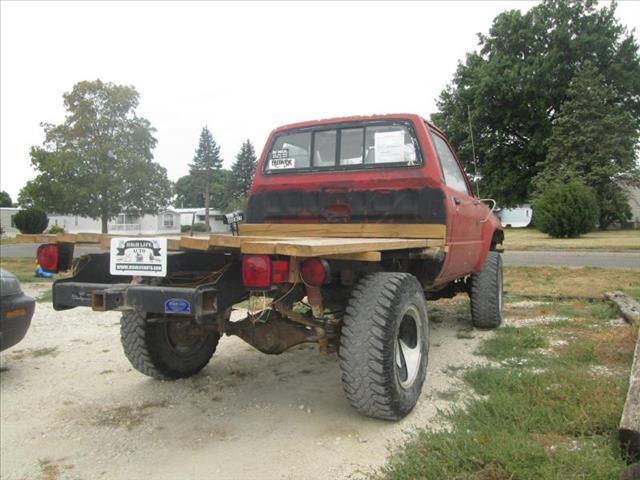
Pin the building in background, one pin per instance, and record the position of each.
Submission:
(6, 221)
(517, 217)
(165, 222)
(197, 215)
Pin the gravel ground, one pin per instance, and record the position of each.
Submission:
(71, 407)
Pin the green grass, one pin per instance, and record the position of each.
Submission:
(510, 342)
(45, 297)
(542, 413)
(22, 267)
(532, 239)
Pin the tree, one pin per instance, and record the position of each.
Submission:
(5, 199)
(595, 139)
(515, 84)
(31, 220)
(99, 162)
(205, 162)
(566, 209)
(243, 170)
(189, 191)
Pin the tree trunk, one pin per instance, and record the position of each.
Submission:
(105, 223)
(206, 205)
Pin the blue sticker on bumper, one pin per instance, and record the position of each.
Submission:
(177, 305)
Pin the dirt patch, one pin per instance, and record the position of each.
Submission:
(34, 353)
(239, 415)
(128, 416)
(528, 322)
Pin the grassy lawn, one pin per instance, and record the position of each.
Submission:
(531, 239)
(549, 404)
(8, 241)
(21, 267)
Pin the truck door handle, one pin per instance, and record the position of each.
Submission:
(456, 200)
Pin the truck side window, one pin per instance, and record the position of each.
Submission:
(453, 177)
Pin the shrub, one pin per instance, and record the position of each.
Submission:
(197, 227)
(53, 229)
(31, 220)
(566, 209)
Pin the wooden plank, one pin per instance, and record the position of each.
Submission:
(358, 257)
(329, 246)
(29, 238)
(173, 244)
(194, 243)
(372, 230)
(629, 429)
(66, 238)
(88, 237)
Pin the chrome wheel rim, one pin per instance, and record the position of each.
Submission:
(408, 348)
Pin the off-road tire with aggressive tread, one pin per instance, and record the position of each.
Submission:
(147, 347)
(486, 293)
(368, 340)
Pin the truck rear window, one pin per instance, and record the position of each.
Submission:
(344, 147)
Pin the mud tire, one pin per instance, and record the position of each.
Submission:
(148, 347)
(385, 310)
(486, 293)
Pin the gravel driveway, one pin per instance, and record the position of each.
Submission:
(72, 407)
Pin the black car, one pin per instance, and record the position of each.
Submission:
(16, 309)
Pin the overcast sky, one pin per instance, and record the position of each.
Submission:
(240, 68)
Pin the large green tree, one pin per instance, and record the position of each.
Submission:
(189, 191)
(5, 199)
(99, 161)
(594, 139)
(206, 163)
(513, 87)
(243, 170)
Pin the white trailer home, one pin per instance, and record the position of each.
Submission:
(165, 222)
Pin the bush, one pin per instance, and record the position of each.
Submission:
(31, 220)
(55, 229)
(197, 227)
(566, 209)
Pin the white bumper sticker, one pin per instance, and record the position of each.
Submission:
(146, 257)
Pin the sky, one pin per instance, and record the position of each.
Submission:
(240, 68)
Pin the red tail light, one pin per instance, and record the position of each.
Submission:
(256, 271)
(47, 256)
(314, 271)
(280, 271)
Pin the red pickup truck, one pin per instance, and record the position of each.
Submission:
(352, 223)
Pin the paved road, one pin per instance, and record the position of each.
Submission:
(511, 258)
(573, 259)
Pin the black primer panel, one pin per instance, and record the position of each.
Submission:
(424, 205)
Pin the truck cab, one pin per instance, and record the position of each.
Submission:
(390, 169)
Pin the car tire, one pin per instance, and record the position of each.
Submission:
(165, 349)
(486, 293)
(384, 345)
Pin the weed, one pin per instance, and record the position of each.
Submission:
(512, 342)
(45, 297)
(49, 470)
(465, 334)
(126, 415)
(448, 395)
